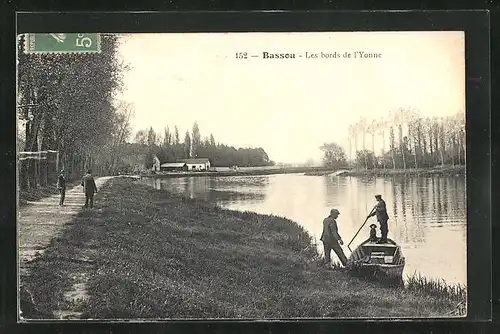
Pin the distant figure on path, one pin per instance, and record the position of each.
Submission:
(331, 238)
(61, 186)
(89, 188)
(382, 218)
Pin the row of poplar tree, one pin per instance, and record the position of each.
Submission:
(408, 140)
(401, 139)
(169, 148)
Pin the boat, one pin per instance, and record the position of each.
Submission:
(379, 261)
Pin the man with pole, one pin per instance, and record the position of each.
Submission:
(331, 238)
(382, 218)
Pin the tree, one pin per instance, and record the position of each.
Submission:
(351, 136)
(372, 129)
(392, 146)
(187, 145)
(141, 137)
(151, 137)
(369, 156)
(219, 155)
(381, 126)
(436, 139)
(401, 116)
(309, 162)
(125, 112)
(66, 101)
(356, 129)
(195, 140)
(333, 155)
(176, 136)
(363, 127)
(418, 141)
(206, 142)
(442, 140)
(460, 130)
(167, 140)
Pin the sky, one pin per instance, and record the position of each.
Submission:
(289, 107)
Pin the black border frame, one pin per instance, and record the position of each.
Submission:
(474, 23)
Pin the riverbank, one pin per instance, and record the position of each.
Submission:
(244, 172)
(145, 253)
(445, 171)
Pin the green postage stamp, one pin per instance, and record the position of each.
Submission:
(62, 43)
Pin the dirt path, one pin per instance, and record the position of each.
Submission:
(41, 221)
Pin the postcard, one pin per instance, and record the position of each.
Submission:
(256, 175)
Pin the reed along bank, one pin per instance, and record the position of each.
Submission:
(150, 254)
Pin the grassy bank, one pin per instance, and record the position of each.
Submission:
(145, 253)
(446, 170)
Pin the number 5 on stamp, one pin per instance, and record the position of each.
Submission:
(62, 43)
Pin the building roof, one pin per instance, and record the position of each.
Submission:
(173, 164)
(196, 161)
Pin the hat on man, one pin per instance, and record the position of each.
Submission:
(334, 211)
(373, 226)
(378, 196)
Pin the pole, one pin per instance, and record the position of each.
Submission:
(360, 228)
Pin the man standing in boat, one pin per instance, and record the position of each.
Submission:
(331, 238)
(382, 218)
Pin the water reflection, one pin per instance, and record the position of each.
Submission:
(427, 214)
(216, 190)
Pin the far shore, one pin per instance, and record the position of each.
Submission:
(244, 172)
(438, 170)
(318, 171)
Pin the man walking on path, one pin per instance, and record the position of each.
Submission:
(61, 186)
(331, 238)
(39, 223)
(382, 218)
(90, 188)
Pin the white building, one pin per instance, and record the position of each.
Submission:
(173, 167)
(198, 164)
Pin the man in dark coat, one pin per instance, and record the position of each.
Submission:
(90, 188)
(61, 186)
(331, 238)
(382, 217)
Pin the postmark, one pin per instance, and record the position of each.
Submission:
(49, 43)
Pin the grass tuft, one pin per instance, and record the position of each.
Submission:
(432, 287)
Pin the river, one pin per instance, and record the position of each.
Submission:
(427, 213)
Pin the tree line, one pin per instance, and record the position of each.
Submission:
(407, 139)
(66, 104)
(168, 147)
